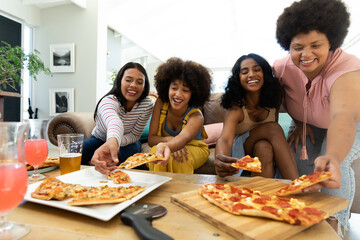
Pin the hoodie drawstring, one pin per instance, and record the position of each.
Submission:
(303, 153)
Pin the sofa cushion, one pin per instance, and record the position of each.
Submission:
(213, 111)
(213, 131)
(145, 134)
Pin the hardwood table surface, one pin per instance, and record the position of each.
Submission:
(52, 223)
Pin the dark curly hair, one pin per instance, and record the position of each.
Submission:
(329, 17)
(116, 89)
(270, 96)
(195, 76)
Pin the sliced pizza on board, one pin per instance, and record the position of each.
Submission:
(244, 201)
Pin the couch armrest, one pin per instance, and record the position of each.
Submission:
(71, 122)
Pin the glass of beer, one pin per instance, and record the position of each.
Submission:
(70, 150)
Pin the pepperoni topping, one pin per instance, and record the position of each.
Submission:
(271, 210)
(241, 164)
(220, 186)
(314, 176)
(283, 199)
(283, 204)
(245, 195)
(248, 160)
(312, 211)
(235, 190)
(235, 199)
(262, 199)
(295, 213)
(248, 190)
(240, 206)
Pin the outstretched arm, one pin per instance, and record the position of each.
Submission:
(344, 117)
(224, 144)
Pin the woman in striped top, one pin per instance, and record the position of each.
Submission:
(121, 116)
(176, 128)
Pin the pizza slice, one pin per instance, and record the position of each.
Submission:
(53, 188)
(106, 194)
(140, 158)
(50, 188)
(248, 163)
(119, 177)
(297, 185)
(50, 161)
(244, 201)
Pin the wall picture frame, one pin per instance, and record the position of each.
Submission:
(62, 58)
(61, 100)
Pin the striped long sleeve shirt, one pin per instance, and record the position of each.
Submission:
(127, 127)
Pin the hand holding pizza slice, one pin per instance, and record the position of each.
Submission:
(248, 163)
(302, 182)
(140, 158)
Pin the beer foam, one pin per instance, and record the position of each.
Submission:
(69, 155)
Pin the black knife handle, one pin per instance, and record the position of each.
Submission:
(143, 227)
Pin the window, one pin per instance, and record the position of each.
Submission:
(27, 84)
(220, 77)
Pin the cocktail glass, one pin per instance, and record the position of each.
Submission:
(13, 176)
(36, 149)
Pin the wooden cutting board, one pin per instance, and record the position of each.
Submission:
(243, 227)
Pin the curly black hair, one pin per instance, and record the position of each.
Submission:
(194, 76)
(329, 17)
(116, 89)
(270, 96)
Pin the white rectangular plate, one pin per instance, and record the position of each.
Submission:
(90, 177)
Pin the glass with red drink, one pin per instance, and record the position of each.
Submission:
(13, 176)
(36, 149)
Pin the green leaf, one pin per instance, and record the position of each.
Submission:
(13, 59)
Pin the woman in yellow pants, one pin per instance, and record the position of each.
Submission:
(176, 128)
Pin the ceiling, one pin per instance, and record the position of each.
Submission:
(212, 32)
(53, 3)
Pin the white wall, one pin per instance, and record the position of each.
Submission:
(69, 24)
(15, 8)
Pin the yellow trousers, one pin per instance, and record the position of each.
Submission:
(197, 156)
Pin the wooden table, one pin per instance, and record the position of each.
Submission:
(53, 223)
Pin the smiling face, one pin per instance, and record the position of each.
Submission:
(309, 52)
(179, 95)
(132, 86)
(251, 75)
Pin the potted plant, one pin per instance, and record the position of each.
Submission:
(12, 60)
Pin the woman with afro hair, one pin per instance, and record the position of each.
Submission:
(176, 128)
(252, 97)
(322, 86)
